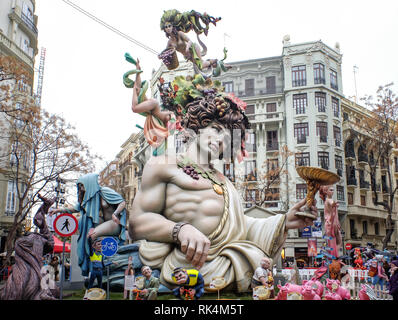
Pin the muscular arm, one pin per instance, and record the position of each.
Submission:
(146, 220)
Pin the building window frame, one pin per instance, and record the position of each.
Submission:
(299, 76)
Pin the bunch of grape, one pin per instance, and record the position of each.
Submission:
(167, 56)
(221, 105)
(189, 170)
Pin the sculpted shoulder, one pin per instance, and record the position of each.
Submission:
(159, 168)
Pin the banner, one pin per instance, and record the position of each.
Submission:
(306, 232)
(312, 247)
(316, 229)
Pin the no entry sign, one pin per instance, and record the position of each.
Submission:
(65, 225)
(348, 246)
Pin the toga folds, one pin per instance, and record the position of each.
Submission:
(235, 252)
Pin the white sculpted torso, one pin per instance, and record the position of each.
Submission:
(193, 201)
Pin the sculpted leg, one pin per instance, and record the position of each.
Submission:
(108, 228)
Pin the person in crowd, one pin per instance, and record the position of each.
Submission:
(190, 283)
(393, 283)
(151, 285)
(263, 276)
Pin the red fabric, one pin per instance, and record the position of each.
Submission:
(58, 245)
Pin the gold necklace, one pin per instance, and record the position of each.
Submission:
(192, 169)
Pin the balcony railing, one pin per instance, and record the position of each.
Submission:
(258, 92)
(363, 184)
(324, 164)
(323, 139)
(340, 172)
(272, 146)
(351, 181)
(319, 80)
(29, 22)
(299, 83)
(362, 157)
(301, 139)
(385, 188)
(338, 142)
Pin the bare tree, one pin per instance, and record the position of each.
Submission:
(377, 136)
(36, 148)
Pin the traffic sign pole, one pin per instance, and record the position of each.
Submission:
(62, 270)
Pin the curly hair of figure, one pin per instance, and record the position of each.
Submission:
(187, 21)
(323, 192)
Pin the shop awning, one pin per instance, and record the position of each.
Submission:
(58, 245)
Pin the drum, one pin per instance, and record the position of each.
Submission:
(261, 293)
(95, 294)
(140, 282)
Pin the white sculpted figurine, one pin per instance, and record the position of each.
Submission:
(188, 214)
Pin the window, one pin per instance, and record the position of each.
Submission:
(249, 87)
(319, 73)
(11, 197)
(365, 227)
(228, 86)
(377, 229)
(270, 83)
(179, 143)
(251, 196)
(340, 193)
(300, 102)
(337, 135)
(301, 132)
(323, 160)
(350, 196)
(301, 191)
(396, 164)
(250, 112)
(363, 200)
(336, 107)
(229, 171)
(272, 140)
(322, 130)
(320, 101)
(303, 159)
(299, 77)
(338, 162)
(273, 169)
(353, 231)
(271, 108)
(272, 194)
(333, 80)
(251, 142)
(250, 170)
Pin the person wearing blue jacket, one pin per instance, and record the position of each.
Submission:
(190, 283)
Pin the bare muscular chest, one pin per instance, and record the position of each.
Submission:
(192, 200)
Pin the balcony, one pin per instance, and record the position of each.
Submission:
(363, 184)
(338, 143)
(324, 164)
(323, 139)
(301, 139)
(351, 181)
(385, 189)
(349, 150)
(299, 83)
(319, 80)
(362, 158)
(273, 146)
(259, 92)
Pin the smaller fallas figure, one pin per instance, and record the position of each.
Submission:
(176, 25)
(25, 281)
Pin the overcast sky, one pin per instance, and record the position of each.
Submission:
(85, 61)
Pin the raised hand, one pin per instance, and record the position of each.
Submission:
(297, 222)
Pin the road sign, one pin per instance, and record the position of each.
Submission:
(109, 246)
(348, 246)
(65, 225)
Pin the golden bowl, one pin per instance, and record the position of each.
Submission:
(315, 178)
